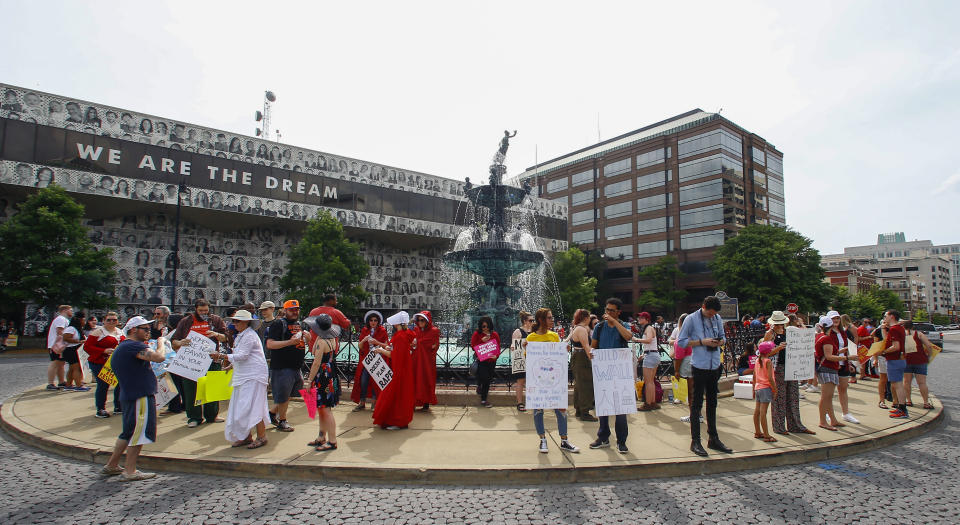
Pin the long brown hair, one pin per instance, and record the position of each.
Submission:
(580, 315)
(540, 317)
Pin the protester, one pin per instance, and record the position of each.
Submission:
(895, 343)
(786, 406)
(650, 361)
(99, 345)
(138, 386)
(882, 381)
(73, 337)
(162, 327)
(703, 330)
(917, 357)
(485, 369)
(89, 326)
(329, 307)
(828, 345)
(764, 390)
(611, 333)
(266, 310)
(541, 333)
(202, 322)
(425, 360)
(363, 384)
(520, 334)
(682, 359)
(748, 359)
(594, 321)
(324, 377)
(846, 373)
(864, 342)
(286, 341)
(55, 346)
(395, 406)
(580, 364)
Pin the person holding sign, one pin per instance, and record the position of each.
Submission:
(895, 337)
(829, 345)
(917, 361)
(486, 346)
(373, 330)
(98, 346)
(395, 406)
(611, 333)
(518, 338)
(542, 334)
(323, 377)
(201, 322)
(425, 360)
(786, 405)
(138, 385)
(248, 406)
(580, 364)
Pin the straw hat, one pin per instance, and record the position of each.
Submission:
(778, 318)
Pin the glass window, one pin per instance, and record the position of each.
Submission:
(581, 217)
(557, 185)
(712, 165)
(759, 156)
(618, 210)
(561, 200)
(584, 237)
(705, 216)
(759, 178)
(654, 202)
(654, 180)
(652, 249)
(774, 164)
(618, 231)
(617, 188)
(719, 138)
(619, 253)
(582, 178)
(653, 157)
(616, 168)
(775, 186)
(701, 192)
(581, 197)
(777, 209)
(692, 241)
(655, 225)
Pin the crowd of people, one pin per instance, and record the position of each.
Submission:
(267, 347)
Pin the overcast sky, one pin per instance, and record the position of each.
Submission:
(862, 97)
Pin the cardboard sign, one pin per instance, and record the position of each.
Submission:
(613, 385)
(193, 359)
(546, 368)
(160, 368)
(488, 350)
(215, 386)
(518, 362)
(165, 391)
(106, 373)
(801, 362)
(378, 369)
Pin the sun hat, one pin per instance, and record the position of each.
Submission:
(777, 317)
(244, 315)
(134, 322)
(400, 317)
(322, 326)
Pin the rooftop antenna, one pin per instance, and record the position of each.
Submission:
(720, 110)
(267, 115)
(598, 126)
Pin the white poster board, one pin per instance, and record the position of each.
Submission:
(800, 364)
(193, 360)
(160, 368)
(614, 390)
(378, 369)
(546, 368)
(165, 391)
(518, 362)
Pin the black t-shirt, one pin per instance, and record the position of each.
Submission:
(289, 356)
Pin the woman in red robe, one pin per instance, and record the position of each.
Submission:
(394, 409)
(363, 386)
(425, 360)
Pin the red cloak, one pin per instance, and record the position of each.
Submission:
(396, 403)
(380, 335)
(425, 362)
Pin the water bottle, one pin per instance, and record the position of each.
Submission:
(670, 395)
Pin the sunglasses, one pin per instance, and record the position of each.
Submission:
(110, 320)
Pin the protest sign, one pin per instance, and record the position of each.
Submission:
(518, 363)
(106, 373)
(613, 386)
(215, 386)
(193, 359)
(488, 350)
(160, 368)
(378, 369)
(546, 368)
(165, 391)
(800, 361)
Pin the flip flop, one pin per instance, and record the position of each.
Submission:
(770, 439)
(807, 431)
(883, 405)
(758, 436)
(828, 428)
(326, 447)
(783, 433)
(317, 442)
(257, 443)
(928, 406)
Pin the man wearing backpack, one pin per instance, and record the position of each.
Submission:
(286, 341)
(611, 334)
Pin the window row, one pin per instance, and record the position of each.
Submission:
(777, 209)
(616, 168)
(775, 186)
(719, 138)
(691, 241)
(654, 202)
(759, 156)
(583, 237)
(653, 157)
(654, 249)
(619, 253)
(775, 164)
(618, 231)
(617, 188)
(582, 178)
(706, 216)
(655, 225)
(712, 165)
(759, 178)
(618, 210)
(581, 217)
(701, 192)
(654, 180)
(581, 197)
(557, 185)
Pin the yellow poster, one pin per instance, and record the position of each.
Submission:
(214, 386)
(106, 373)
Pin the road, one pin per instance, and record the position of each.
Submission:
(915, 481)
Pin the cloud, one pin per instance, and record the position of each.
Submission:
(952, 181)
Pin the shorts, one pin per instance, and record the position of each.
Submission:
(686, 369)
(285, 382)
(139, 421)
(881, 364)
(895, 370)
(55, 356)
(917, 370)
(651, 359)
(764, 395)
(827, 375)
(70, 355)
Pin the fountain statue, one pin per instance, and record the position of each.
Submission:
(494, 251)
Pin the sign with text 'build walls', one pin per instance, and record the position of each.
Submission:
(613, 381)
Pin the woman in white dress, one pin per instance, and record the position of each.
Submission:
(248, 406)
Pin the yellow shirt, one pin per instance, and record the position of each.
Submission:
(549, 337)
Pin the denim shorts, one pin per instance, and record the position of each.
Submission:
(764, 395)
(686, 369)
(895, 370)
(651, 359)
(917, 370)
(827, 375)
(285, 382)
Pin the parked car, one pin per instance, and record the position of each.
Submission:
(935, 336)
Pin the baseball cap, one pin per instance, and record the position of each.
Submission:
(267, 304)
(833, 313)
(292, 303)
(134, 322)
(826, 321)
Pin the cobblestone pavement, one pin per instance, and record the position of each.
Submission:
(915, 481)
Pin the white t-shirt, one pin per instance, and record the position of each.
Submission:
(59, 322)
(76, 335)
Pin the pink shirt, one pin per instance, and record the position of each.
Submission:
(761, 374)
(680, 353)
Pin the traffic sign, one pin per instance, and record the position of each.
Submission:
(792, 308)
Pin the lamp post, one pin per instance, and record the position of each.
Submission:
(181, 188)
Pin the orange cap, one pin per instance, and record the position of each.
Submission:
(292, 303)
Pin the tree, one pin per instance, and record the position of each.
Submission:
(871, 303)
(840, 299)
(921, 316)
(46, 256)
(324, 261)
(664, 294)
(767, 267)
(597, 268)
(940, 319)
(576, 288)
(887, 299)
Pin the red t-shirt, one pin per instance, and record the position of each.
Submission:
(337, 316)
(864, 335)
(897, 334)
(919, 357)
(830, 338)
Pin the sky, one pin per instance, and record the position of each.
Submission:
(861, 97)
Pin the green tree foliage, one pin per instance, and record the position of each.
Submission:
(921, 316)
(941, 319)
(664, 294)
(597, 267)
(871, 303)
(767, 267)
(577, 289)
(46, 256)
(324, 261)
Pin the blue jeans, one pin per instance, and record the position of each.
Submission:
(620, 425)
(365, 384)
(561, 421)
(100, 395)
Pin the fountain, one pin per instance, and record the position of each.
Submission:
(495, 251)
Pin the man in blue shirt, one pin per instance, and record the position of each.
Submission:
(703, 330)
(611, 333)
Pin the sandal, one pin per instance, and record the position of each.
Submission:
(909, 403)
(521, 407)
(808, 431)
(834, 429)
(882, 404)
(326, 447)
(257, 443)
(770, 439)
(758, 436)
(242, 442)
(317, 442)
(928, 406)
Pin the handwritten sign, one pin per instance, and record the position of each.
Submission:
(193, 359)
(165, 391)
(518, 363)
(160, 368)
(378, 369)
(613, 384)
(800, 363)
(488, 350)
(546, 367)
(106, 374)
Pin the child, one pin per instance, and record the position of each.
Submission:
(765, 389)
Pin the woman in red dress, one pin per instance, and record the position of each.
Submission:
(425, 360)
(362, 385)
(394, 409)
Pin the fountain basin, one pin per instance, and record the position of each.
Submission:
(493, 261)
(496, 196)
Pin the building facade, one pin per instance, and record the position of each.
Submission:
(243, 203)
(680, 187)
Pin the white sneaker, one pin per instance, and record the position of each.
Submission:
(685, 419)
(850, 419)
(802, 396)
(814, 390)
(543, 446)
(804, 386)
